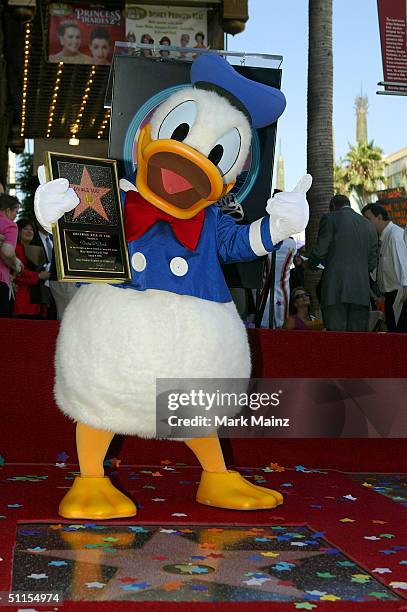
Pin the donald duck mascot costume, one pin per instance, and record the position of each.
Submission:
(175, 318)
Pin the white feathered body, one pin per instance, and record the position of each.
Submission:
(114, 343)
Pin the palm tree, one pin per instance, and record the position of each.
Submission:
(319, 123)
(362, 172)
(340, 183)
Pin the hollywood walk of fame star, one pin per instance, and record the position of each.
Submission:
(89, 196)
(144, 562)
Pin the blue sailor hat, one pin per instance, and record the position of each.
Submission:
(262, 103)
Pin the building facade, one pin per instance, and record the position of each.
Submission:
(45, 96)
(396, 169)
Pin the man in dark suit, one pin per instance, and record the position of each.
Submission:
(347, 247)
(44, 240)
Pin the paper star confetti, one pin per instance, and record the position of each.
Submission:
(256, 581)
(198, 587)
(388, 552)
(57, 563)
(172, 586)
(325, 575)
(276, 468)
(138, 529)
(38, 576)
(36, 549)
(136, 586)
(361, 578)
(283, 566)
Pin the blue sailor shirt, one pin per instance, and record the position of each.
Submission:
(159, 261)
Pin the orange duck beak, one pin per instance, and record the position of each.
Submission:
(176, 178)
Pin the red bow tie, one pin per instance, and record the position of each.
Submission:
(140, 215)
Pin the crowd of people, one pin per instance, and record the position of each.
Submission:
(29, 288)
(363, 286)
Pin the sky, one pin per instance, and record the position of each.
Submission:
(280, 27)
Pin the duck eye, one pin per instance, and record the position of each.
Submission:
(216, 154)
(178, 121)
(226, 151)
(180, 132)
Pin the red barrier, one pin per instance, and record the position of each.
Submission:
(34, 431)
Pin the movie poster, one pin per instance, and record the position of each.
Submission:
(83, 34)
(168, 26)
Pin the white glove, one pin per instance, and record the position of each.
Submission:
(289, 211)
(52, 200)
(126, 185)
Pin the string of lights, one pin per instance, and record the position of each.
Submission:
(54, 98)
(25, 76)
(75, 127)
(104, 123)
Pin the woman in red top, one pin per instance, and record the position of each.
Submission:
(23, 307)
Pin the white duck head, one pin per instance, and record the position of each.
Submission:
(197, 141)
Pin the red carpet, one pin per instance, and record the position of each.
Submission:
(366, 526)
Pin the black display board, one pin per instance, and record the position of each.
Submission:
(140, 84)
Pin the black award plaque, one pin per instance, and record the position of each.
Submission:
(89, 241)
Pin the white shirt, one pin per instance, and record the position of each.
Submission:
(392, 266)
(46, 240)
(284, 259)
